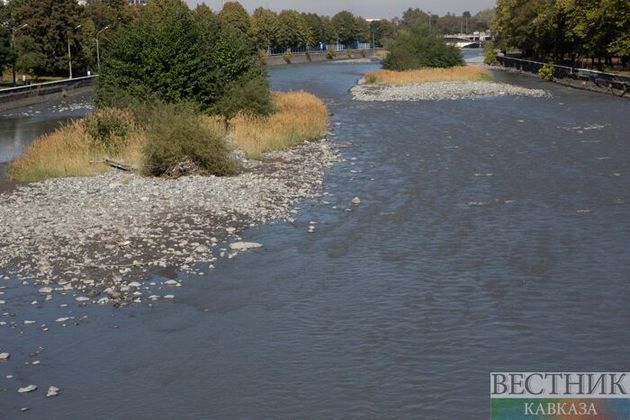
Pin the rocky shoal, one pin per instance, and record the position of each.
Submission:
(97, 237)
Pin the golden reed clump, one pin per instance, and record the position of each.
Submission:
(299, 116)
(409, 77)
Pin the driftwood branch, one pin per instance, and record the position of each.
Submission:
(120, 165)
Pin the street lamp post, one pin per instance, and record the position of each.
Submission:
(15, 31)
(98, 50)
(70, 52)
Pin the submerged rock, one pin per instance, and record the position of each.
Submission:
(243, 246)
(26, 389)
(53, 391)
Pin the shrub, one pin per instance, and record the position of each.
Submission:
(489, 53)
(349, 52)
(363, 53)
(370, 78)
(288, 55)
(173, 55)
(419, 46)
(547, 72)
(330, 54)
(176, 134)
(262, 57)
(109, 127)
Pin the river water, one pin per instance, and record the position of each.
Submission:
(492, 235)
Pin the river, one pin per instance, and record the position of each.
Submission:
(492, 235)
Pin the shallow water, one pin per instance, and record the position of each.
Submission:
(492, 235)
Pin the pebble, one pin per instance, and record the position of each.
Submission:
(63, 319)
(4, 356)
(26, 389)
(53, 391)
(46, 290)
(356, 200)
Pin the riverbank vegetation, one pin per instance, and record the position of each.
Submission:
(409, 77)
(43, 29)
(419, 46)
(179, 89)
(169, 139)
(595, 32)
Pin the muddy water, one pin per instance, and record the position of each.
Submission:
(492, 235)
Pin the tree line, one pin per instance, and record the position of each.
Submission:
(565, 30)
(36, 36)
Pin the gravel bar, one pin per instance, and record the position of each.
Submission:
(97, 236)
(435, 91)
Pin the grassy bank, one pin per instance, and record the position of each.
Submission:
(412, 77)
(299, 116)
(168, 137)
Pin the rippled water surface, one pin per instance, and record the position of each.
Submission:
(492, 235)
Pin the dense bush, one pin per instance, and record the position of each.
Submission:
(547, 72)
(109, 127)
(419, 46)
(489, 53)
(174, 55)
(176, 134)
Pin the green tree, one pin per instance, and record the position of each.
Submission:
(51, 23)
(265, 26)
(156, 57)
(383, 30)
(316, 27)
(6, 52)
(233, 15)
(174, 55)
(345, 27)
(418, 47)
(293, 32)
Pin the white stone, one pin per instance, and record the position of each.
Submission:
(53, 391)
(29, 388)
(242, 246)
(46, 290)
(4, 356)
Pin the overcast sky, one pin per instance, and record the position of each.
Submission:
(365, 8)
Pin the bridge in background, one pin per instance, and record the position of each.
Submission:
(472, 40)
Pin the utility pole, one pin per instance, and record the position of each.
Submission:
(70, 52)
(15, 31)
(98, 50)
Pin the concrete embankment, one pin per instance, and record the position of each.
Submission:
(313, 57)
(23, 96)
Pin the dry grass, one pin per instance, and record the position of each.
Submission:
(65, 152)
(299, 116)
(69, 150)
(410, 77)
